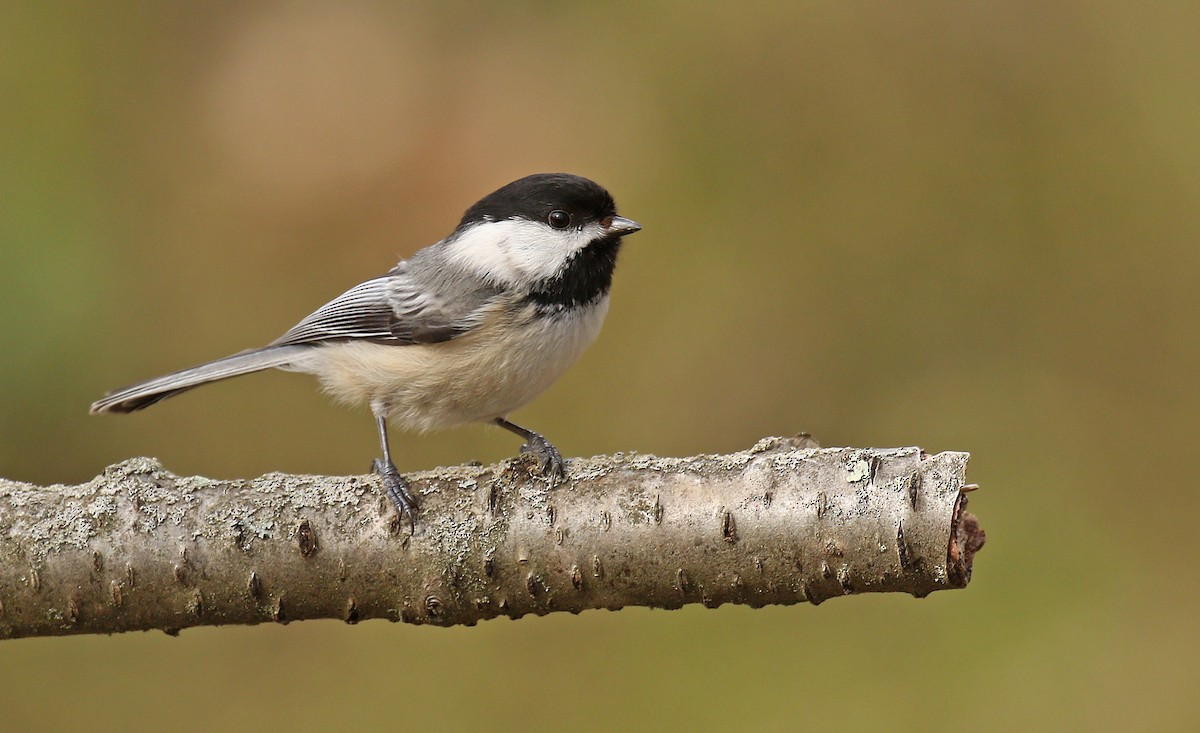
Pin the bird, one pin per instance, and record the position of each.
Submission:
(466, 330)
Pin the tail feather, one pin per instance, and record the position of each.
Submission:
(144, 394)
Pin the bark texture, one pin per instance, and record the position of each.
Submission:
(140, 548)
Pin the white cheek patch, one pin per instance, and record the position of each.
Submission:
(518, 251)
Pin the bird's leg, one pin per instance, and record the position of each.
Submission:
(393, 483)
(550, 461)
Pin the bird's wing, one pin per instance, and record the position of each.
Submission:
(392, 309)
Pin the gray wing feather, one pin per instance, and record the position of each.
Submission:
(362, 312)
(394, 308)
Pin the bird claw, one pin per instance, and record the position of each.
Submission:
(549, 460)
(397, 490)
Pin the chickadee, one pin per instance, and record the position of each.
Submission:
(467, 330)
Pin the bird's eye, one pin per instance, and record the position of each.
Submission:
(559, 219)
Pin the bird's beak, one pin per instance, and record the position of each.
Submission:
(619, 225)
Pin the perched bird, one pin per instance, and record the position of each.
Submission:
(466, 330)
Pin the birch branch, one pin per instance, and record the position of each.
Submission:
(140, 548)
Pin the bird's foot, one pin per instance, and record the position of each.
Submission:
(397, 490)
(549, 460)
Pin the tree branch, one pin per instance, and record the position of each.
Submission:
(140, 548)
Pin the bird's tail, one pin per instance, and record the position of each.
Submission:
(144, 394)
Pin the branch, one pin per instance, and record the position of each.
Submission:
(140, 548)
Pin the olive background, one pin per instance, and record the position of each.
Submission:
(960, 226)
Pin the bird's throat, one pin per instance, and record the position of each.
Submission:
(585, 279)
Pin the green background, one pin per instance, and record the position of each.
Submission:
(961, 226)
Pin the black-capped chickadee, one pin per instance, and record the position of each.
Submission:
(467, 330)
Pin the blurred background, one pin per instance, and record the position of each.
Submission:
(965, 227)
